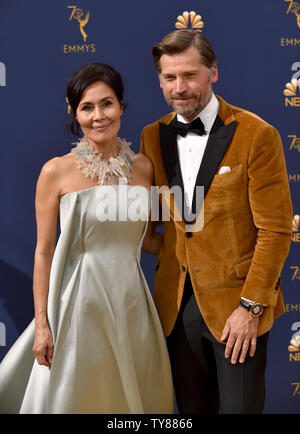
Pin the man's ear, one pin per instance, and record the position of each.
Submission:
(160, 80)
(214, 74)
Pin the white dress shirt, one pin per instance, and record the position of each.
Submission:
(191, 148)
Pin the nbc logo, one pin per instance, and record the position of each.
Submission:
(295, 228)
(296, 223)
(194, 19)
(2, 74)
(293, 87)
(294, 347)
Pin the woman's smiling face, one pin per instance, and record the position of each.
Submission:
(99, 114)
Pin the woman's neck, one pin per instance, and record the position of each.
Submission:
(107, 149)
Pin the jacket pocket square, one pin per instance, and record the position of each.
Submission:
(224, 169)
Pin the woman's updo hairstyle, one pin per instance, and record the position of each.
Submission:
(84, 77)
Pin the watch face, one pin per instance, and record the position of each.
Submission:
(256, 309)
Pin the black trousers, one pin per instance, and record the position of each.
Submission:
(204, 381)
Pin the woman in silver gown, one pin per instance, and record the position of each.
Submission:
(95, 344)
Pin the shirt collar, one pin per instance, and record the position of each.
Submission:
(207, 115)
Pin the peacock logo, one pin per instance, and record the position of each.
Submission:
(295, 223)
(195, 21)
(292, 87)
(295, 229)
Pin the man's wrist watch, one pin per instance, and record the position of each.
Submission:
(254, 309)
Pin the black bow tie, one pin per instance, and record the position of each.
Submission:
(196, 126)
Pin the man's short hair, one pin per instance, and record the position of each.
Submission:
(179, 41)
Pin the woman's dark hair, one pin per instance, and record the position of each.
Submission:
(84, 77)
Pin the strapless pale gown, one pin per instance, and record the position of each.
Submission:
(110, 354)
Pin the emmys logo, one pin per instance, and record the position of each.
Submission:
(292, 88)
(296, 388)
(294, 177)
(69, 111)
(294, 8)
(2, 335)
(295, 228)
(77, 15)
(296, 273)
(294, 347)
(292, 307)
(82, 19)
(295, 143)
(194, 19)
(68, 106)
(2, 74)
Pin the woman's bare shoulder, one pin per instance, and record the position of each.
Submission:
(143, 163)
(58, 166)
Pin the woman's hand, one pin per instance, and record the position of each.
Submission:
(43, 346)
(152, 241)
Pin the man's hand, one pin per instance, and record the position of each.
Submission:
(240, 331)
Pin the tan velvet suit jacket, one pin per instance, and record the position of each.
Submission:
(247, 220)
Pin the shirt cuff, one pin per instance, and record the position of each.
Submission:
(250, 301)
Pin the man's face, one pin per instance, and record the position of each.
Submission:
(186, 83)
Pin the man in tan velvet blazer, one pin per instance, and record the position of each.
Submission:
(217, 290)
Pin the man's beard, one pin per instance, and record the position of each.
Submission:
(194, 105)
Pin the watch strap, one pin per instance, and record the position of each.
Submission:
(254, 309)
(245, 304)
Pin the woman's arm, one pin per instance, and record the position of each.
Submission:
(153, 240)
(47, 208)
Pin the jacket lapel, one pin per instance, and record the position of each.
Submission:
(168, 140)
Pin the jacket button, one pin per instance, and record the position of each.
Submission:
(183, 268)
(189, 234)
